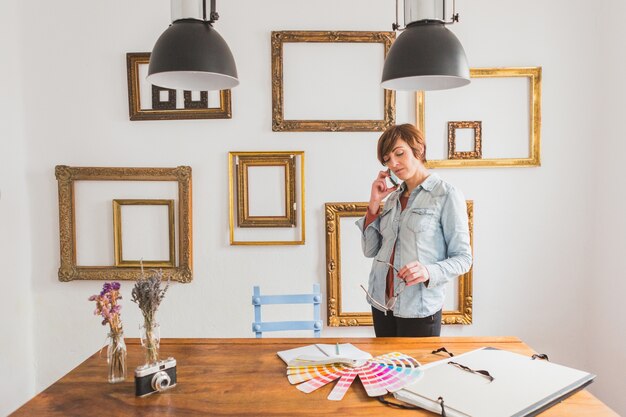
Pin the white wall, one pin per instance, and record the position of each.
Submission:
(16, 310)
(605, 283)
(531, 271)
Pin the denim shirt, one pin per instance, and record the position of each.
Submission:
(433, 229)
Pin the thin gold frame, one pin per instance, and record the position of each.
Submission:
(336, 317)
(231, 198)
(133, 60)
(66, 177)
(244, 162)
(117, 233)
(534, 159)
(279, 124)
(477, 152)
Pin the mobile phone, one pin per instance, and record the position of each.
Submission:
(395, 181)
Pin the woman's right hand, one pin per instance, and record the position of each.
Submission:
(379, 191)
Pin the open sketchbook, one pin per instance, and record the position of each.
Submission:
(321, 354)
(521, 386)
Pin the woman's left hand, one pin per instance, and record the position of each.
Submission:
(413, 273)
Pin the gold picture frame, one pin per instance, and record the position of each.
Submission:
(477, 152)
(534, 140)
(117, 233)
(67, 176)
(244, 162)
(336, 316)
(265, 158)
(279, 124)
(194, 109)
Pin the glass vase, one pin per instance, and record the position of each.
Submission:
(116, 357)
(150, 334)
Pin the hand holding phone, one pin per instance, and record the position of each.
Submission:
(395, 181)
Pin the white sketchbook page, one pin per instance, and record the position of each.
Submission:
(321, 354)
(346, 350)
(519, 383)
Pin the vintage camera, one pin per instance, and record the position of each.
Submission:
(155, 377)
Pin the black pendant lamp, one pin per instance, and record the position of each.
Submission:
(426, 56)
(190, 54)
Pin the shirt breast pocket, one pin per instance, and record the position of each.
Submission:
(422, 220)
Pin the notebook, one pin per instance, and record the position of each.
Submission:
(521, 386)
(321, 354)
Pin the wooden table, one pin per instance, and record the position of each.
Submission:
(220, 377)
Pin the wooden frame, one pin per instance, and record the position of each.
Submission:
(534, 159)
(232, 158)
(279, 124)
(167, 110)
(452, 152)
(244, 162)
(66, 177)
(336, 317)
(117, 233)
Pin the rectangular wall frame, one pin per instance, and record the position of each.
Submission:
(238, 191)
(118, 237)
(166, 110)
(279, 124)
(534, 141)
(337, 317)
(67, 176)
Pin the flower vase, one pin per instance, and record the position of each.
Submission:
(116, 357)
(150, 334)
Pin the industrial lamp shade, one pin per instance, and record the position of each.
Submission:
(426, 56)
(191, 55)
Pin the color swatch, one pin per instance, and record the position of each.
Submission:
(380, 375)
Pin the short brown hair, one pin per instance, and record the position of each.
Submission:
(408, 133)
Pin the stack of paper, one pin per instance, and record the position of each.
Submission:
(321, 354)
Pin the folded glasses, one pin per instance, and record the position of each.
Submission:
(391, 302)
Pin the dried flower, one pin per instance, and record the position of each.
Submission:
(108, 307)
(147, 294)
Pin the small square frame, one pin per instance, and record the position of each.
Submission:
(244, 162)
(117, 233)
(231, 198)
(66, 177)
(133, 60)
(279, 124)
(534, 140)
(336, 317)
(452, 128)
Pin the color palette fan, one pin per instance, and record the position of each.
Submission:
(380, 375)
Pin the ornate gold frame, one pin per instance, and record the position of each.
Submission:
(534, 159)
(117, 233)
(244, 219)
(336, 317)
(279, 124)
(265, 156)
(133, 60)
(66, 176)
(477, 152)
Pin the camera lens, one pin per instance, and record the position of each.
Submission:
(161, 381)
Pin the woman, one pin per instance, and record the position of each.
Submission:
(419, 241)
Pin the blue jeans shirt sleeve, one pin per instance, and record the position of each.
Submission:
(371, 238)
(455, 228)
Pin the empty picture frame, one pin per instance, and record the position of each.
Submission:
(525, 112)
(344, 294)
(68, 176)
(168, 104)
(388, 105)
(118, 235)
(285, 215)
(266, 198)
(476, 127)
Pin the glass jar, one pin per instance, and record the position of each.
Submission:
(116, 357)
(150, 334)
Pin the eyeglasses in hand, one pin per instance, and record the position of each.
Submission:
(391, 302)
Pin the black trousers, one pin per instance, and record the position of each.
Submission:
(390, 326)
